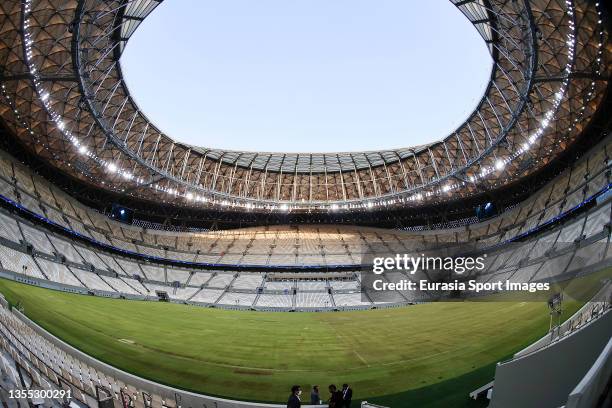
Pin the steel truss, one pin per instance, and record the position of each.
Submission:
(64, 96)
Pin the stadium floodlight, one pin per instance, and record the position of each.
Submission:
(555, 306)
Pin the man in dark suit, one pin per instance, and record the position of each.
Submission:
(294, 399)
(347, 396)
(335, 397)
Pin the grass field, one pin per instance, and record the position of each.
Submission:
(431, 354)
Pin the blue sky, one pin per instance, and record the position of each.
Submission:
(306, 75)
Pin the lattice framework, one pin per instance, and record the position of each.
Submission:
(64, 96)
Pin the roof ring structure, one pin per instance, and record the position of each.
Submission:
(63, 93)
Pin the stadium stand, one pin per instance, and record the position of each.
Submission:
(555, 245)
(511, 262)
(570, 245)
(320, 245)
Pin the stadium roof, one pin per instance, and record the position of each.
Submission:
(64, 96)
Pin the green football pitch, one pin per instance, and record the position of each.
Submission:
(431, 354)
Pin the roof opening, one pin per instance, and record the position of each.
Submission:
(307, 75)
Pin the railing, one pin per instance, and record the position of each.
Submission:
(594, 308)
(366, 404)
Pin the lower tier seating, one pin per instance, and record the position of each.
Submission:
(579, 243)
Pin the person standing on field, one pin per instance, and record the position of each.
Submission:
(294, 399)
(347, 396)
(335, 397)
(315, 398)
